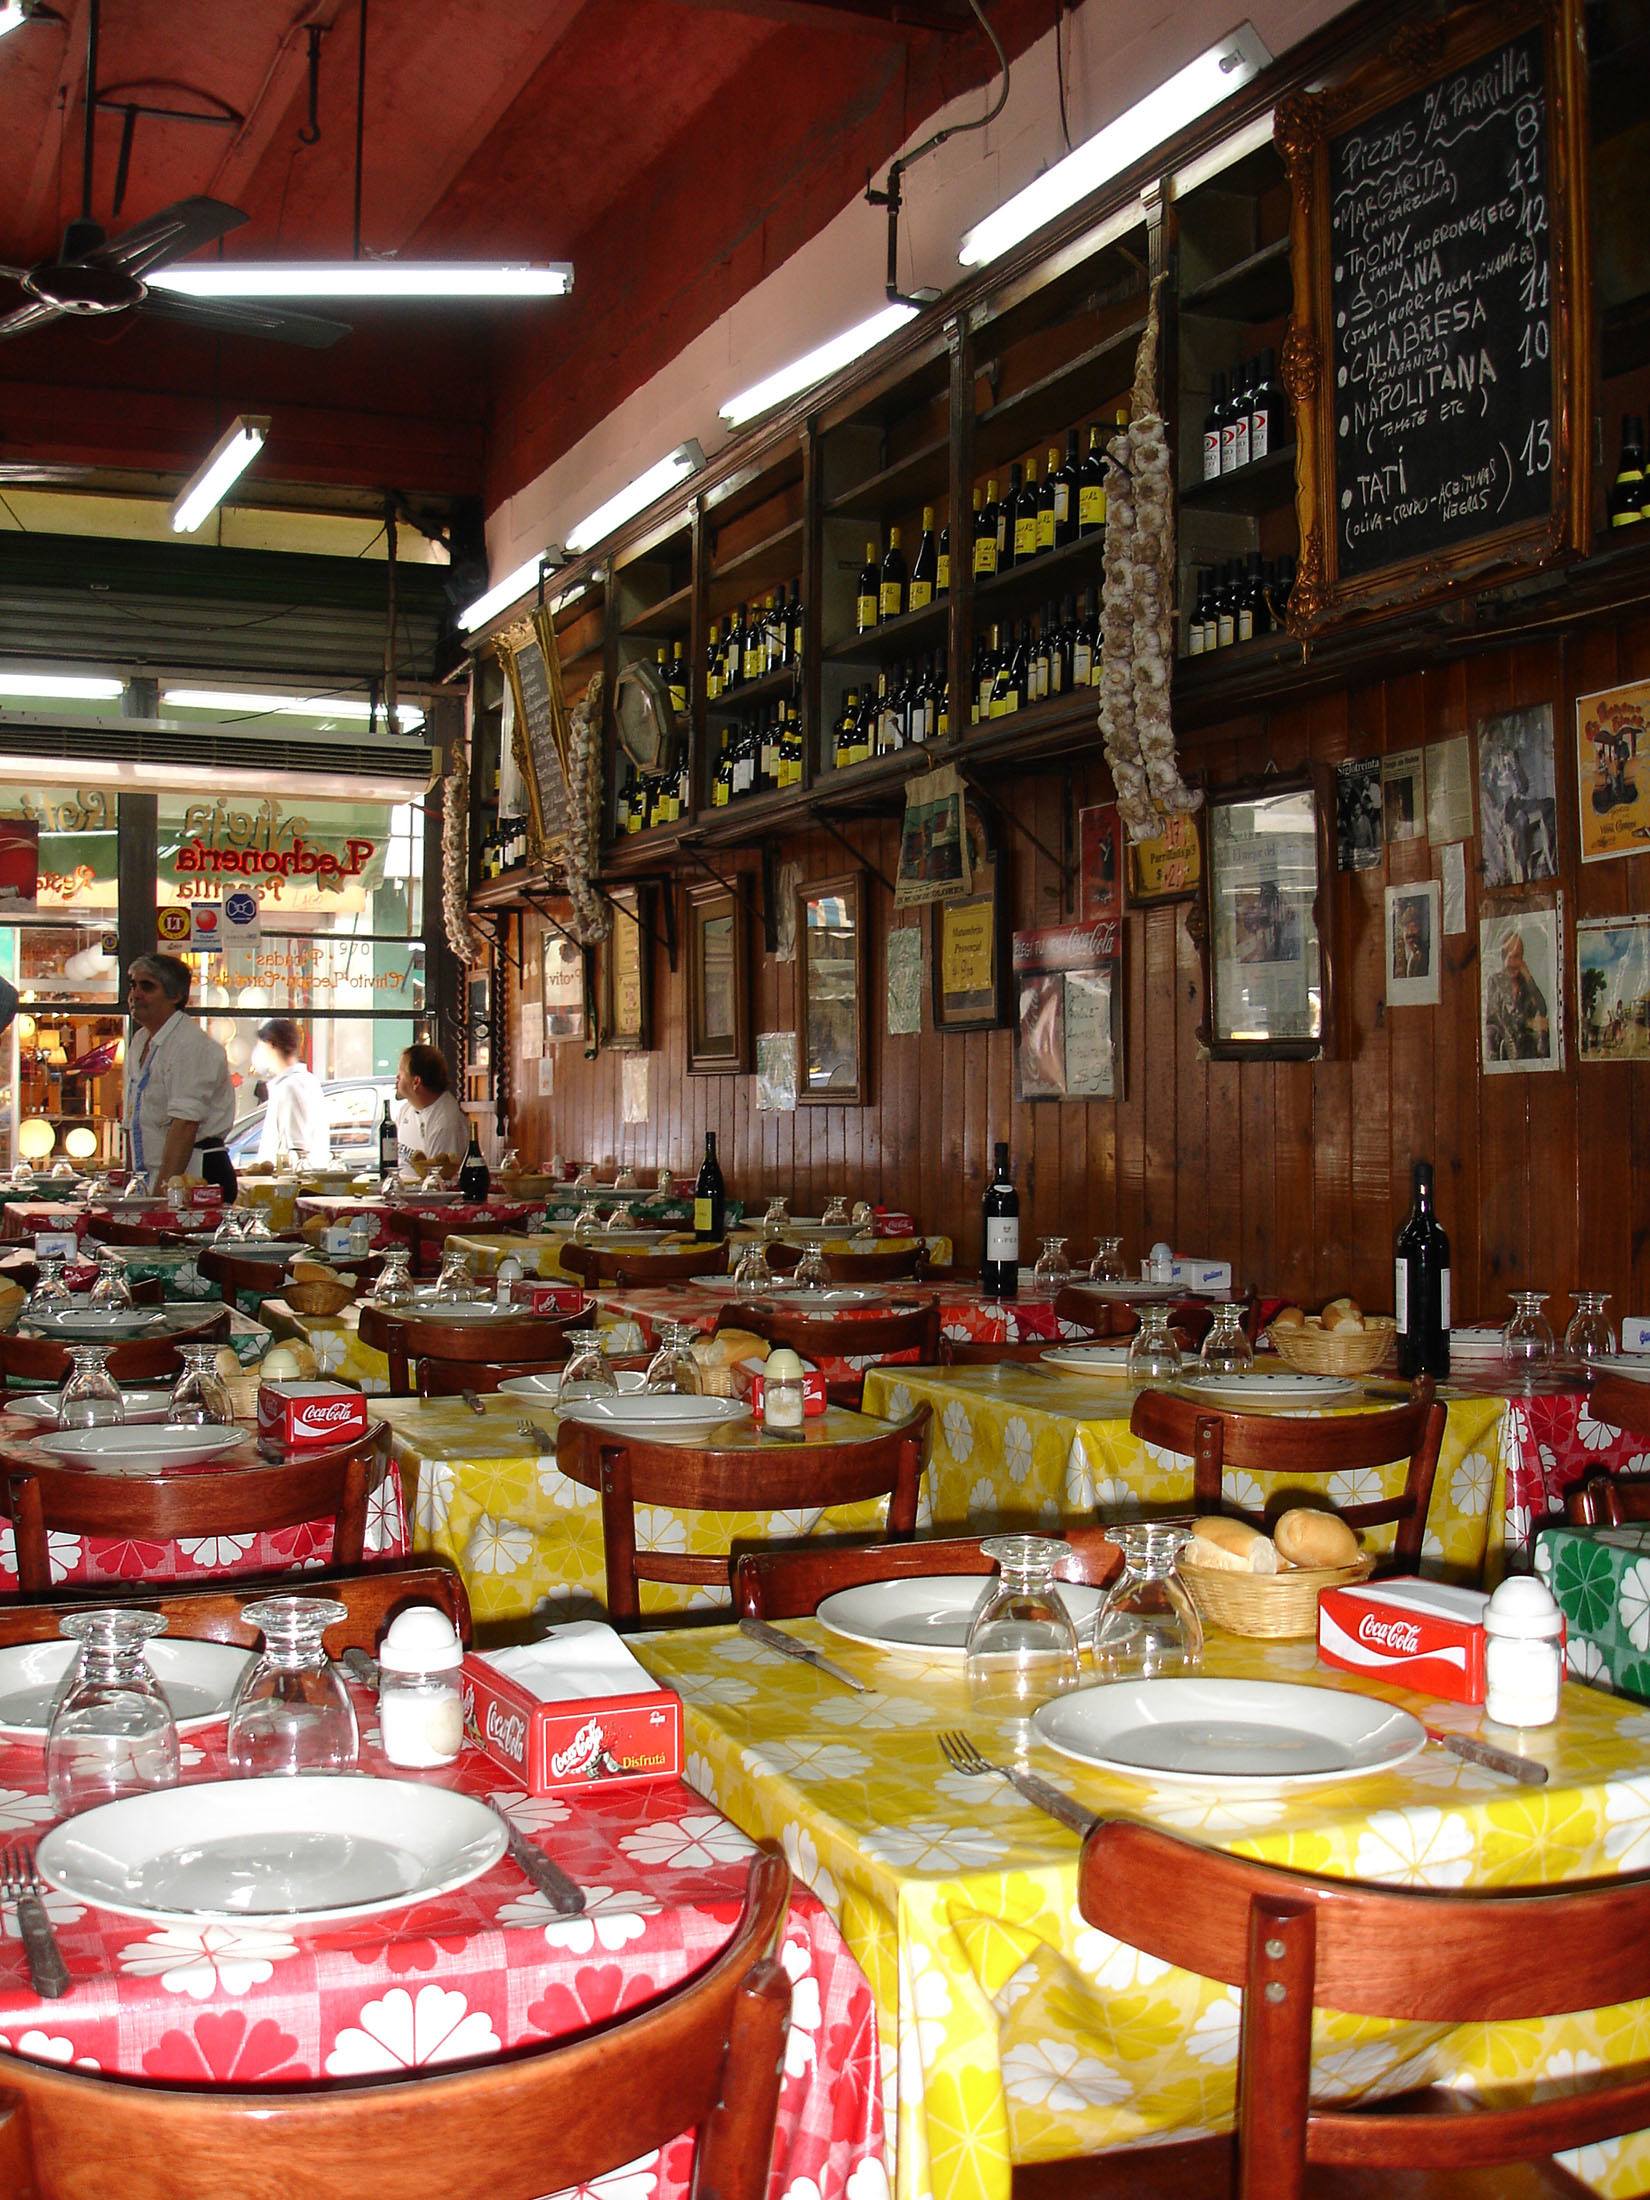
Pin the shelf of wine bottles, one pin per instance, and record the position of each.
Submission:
(1022, 663)
(647, 799)
(1242, 601)
(760, 753)
(908, 707)
(755, 652)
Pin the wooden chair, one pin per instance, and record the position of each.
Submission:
(813, 1473)
(1621, 1401)
(204, 1614)
(115, 1230)
(428, 1235)
(622, 1268)
(1612, 1500)
(1294, 1942)
(839, 1337)
(1340, 1443)
(789, 1582)
(452, 1378)
(971, 1352)
(404, 1339)
(253, 1497)
(40, 1360)
(708, 2056)
(234, 1272)
(901, 1267)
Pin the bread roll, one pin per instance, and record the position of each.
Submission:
(1343, 1314)
(305, 1270)
(1306, 1536)
(728, 1347)
(304, 1354)
(1287, 1317)
(225, 1363)
(1230, 1547)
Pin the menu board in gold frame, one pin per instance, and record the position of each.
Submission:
(531, 662)
(626, 1002)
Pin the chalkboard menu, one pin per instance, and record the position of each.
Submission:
(1436, 358)
(527, 651)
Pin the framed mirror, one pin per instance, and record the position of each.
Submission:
(719, 1040)
(1267, 963)
(830, 932)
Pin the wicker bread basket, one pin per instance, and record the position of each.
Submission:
(1277, 1607)
(1314, 1350)
(319, 1298)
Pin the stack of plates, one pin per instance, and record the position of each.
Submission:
(1634, 1365)
(1269, 1386)
(1475, 1349)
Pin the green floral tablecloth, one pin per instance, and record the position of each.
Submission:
(1601, 1578)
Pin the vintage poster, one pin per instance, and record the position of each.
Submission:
(1521, 963)
(1169, 866)
(1358, 813)
(934, 862)
(1099, 863)
(1613, 771)
(1517, 805)
(634, 1081)
(1403, 795)
(904, 981)
(1066, 1001)
(776, 1058)
(1413, 944)
(1613, 989)
(563, 988)
(1449, 790)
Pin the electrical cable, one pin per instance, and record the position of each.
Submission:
(1060, 66)
(889, 195)
(958, 129)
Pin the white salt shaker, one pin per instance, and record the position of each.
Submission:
(783, 1402)
(508, 1275)
(1523, 1656)
(420, 1713)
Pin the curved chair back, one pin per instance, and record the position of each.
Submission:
(913, 1328)
(406, 1339)
(790, 1583)
(204, 1614)
(131, 1359)
(624, 1268)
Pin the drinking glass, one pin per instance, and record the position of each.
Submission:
(1527, 1340)
(809, 1272)
(1590, 1335)
(90, 1397)
(1052, 1269)
(585, 1178)
(775, 1222)
(254, 1228)
(1147, 1625)
(587, 1374)
(1107, 1264)
(395, 1282)
(625, 1181)
(1226, 1349)
(753, 1277)
(111, 1731)
(673, 1371)
(667, 1180)
(231, 1229)
(199, 1396)
(111, 1288)
(509, 1162)
(623, 1216)
(864, 1218)
(22, 1175)
(291, 1712)
(1022, 1647)
(1154, 1356)
(454, 1285)
(50, 1291)
(836, 1211)
(588, 1227)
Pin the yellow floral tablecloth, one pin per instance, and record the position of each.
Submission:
(1022, 2033)
(276, 1199)
(1019, 1445)
(332, 1338)
(540, 1253)
(527, 1539)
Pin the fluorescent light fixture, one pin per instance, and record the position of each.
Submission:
(407, 715)
(637, 495)
(504, 593)
(365, 279)
(1190, 92)
(59, 687)
(224, 465)
(251, 780)
(814, 366)
(570, 596)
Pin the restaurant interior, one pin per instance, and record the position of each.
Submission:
(824, 992)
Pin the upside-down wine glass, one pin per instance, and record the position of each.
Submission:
(1022, 1646)
(753, 1278)
(200, 1397)
(111, 1732)
(291, 1712)
(90, 1396)
(1527, 1340)
(1226, 1349)
(1154, 1355)
(1107, 1264)
(587, 1373)
(1590, 1335)
(673, 1371)
(50, 1292)
(1052, 1269)
(1147, 1626)
(111, 1288)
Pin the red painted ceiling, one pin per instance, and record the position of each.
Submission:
(675, 150)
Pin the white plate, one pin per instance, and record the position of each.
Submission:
(269, 1249)
(1279, 1733)
(1132, 1292)
(295, 1850)
(724, 1284)
(546, 1389)
(143, 1407)
(1111, 1360)
(199, 1680)
(1481, 1343)
(96, 1321)
(459, 1310)
(928, 1617)
(145, 1447)
(1281, 1386)
(797, 1299)
(665, 1416)
(1634, 1365)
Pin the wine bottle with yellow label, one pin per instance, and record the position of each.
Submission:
(920, 594)
(891, 598)
(870, 592)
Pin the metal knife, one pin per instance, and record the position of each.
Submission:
(48, 1973)
(566, 1899)
(1528, 1769)
(788, 1647)
(359, 1667)
(1055, 1801)
(473, 1400)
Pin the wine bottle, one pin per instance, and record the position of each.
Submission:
(389, 1145)
(942, 564)
(1627, 494)
(1421, 1285)
(891, 599)
(1242, 382)
(1228, 428)
(1194, 618)
(919, 592)
(1251, 609)
(794, 626)
(1082, 647)
(869, 593)
(986, 650)
(710, 1195)
(842, 748)
(985, 532)
(888, 726)
(713, 665)
(1000, 1215)
(1268, 418)
(1226, 608)
(474, 1177)
(1007, 511)
(940, 689)
(1212, 420)
(1008, 690)
(1091, 487)
(1065, 494)
(1048, 531)
(676, 679)
(733, 666)
(1025, 516)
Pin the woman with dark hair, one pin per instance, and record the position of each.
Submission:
(295, 1113)
(429, 1121)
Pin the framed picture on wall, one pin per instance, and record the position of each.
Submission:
(719, 1040)
(625, 969)
(1267, 965)
(830, 930)
(564, 1016)
(970, 939)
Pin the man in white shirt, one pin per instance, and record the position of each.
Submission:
(180, 1099)
(295, 1115)
(428, 1120)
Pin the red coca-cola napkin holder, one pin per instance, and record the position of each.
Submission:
(1425, 1635)
(310, 1416)
(205, 1195)
(535, 1297)
(613, 1738)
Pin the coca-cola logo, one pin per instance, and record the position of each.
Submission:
(1401, 1636)
(581, 1752)
(325, 1412)
(509, 1730)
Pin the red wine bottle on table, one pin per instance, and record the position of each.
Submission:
(1421, 1285)
(474, 1178)
(710, 1195)
(389, 1145)
(1000, 1254)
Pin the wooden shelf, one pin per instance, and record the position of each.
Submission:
(1063, 572)
(653, 850)
(748, 817)
(1061, 726)
(1046, 408)
(1256, 289)
(894, 638)
(761, 564)
(672, 614)
(508, 891)
(737, 702)
(1266, 485)
(876, 787)
(922, 477)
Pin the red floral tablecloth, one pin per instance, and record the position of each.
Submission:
(470, 1975)
(1552, 1442)
(392, 1219)
(85, 1560)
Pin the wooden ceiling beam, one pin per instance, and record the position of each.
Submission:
(899, 18)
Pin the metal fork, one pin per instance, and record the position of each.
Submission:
(21, 1885)
(962, 1756)
(537, 1433)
